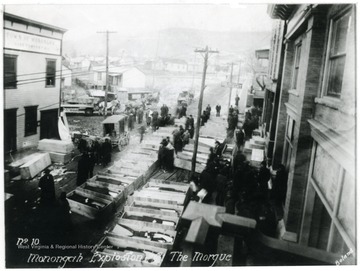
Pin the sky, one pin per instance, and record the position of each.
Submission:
(134, 18)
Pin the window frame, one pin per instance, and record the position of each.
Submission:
(16, 73)
(48, 60)
(296, 66)
(30, 125)
(329, 57)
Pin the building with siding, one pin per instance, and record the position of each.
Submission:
(119, 77)
(32, 73)
(314, 111)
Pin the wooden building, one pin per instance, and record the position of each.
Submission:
(32, 73)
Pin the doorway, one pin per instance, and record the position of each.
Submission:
(10, 130)
(49, 124)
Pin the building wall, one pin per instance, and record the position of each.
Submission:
(332, 178)
(31, 71)
(320, 201)
(133, 78)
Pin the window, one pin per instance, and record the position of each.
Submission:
(30, 120)
(337, 54)
(99, 76)
(50, 72)
(288, 143)
(296, 65)
(10, 74)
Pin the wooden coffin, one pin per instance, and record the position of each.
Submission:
(200, 157)
(186, 164)
(34, 166)
(254, 145)
(54, 145)
(87, 204)
(257, 156)
(130, 183)
(60, 158)
(154, 192)
(151, 215)
(201, 149)
(130, 252)
(177, 186)
(157, 204)
(145, 231)
(98, 191)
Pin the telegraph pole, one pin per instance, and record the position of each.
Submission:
(238, 79)
(198, 122)
(107, 32)
(231, 76)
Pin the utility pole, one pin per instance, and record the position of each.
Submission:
(238, 79)
(107, 32)
(198, 122)
(231, 76)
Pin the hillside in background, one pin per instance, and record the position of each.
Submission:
(173, 43)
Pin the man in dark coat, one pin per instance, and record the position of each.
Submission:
(237, 100)
(107, 148)
(278, 192)
(263, 179)
(240, 136)
(192, 121)
(47, 186)
(83, 169)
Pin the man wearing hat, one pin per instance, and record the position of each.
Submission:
(47, 186)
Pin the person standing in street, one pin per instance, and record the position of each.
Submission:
(237, 99)
(83, 169)
(142, 132)
(47, 186)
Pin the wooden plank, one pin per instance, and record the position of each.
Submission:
(33, 167)
(197, 232)
(54, 145)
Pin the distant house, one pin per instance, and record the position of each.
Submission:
(66, 76)
(168, 64)
(119, 77)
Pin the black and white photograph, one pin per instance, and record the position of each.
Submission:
(179, 134)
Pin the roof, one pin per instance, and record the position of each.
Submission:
(280, 11)
(114, 119)
(27, 21)
(113, 70)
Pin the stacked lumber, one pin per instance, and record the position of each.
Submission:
(59, 150)
(35, 165)
(147, 226)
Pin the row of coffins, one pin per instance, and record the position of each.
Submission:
(213, 130)
(147, 227)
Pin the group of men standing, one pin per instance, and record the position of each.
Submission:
(93, 152)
